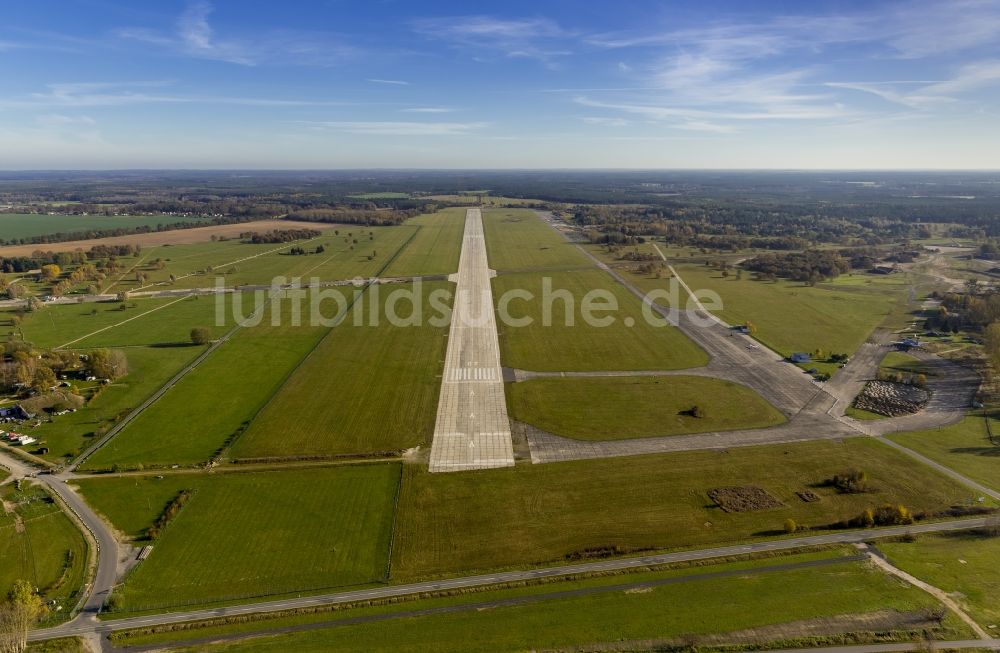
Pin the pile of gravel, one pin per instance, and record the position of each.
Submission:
(891, 399)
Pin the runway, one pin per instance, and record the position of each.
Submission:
(472, 430)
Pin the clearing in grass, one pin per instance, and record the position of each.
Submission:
(613, 408)
(532, 514)
(364, 389)
(564, 345)
(251, 534)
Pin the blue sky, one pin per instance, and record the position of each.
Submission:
(393, 84)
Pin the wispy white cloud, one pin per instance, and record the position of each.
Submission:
(397, 128)
(193, 36)
(532, 38)
(428, 110)
(605, 121)
(393, 82)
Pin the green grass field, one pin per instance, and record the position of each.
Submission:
(144, 322)
(460, 523)
(199, 265)
(965, 447)
(371, 388)
(17, 226)
(40, 544)
(577, 345)
(149, 368)
(196, 417)
(603, 611)
(517, 240)
(245, 535)
(963, 564)
(613, 408)
(436, 247)
(897, 361)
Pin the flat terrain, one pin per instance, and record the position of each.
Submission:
(965, 447)
(243, 535)
(40, 544)
(370, 388)
(176, 237)
(516, 240)
(436, 247)
(640, 606)
(458, 523)
(576, 345)
(633, 407)
(149, 368)
(14, 226)
(212, 403)
(962, 564)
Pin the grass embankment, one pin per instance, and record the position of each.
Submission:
(615, 408)
(250, 534)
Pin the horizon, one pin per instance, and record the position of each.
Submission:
(199, 85)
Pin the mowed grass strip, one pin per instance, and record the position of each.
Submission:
(436, 247)
(213, 402)
(364, 389)
(517, 239)
(605, 613)
(532, 514)
(568, 343)
(615, 408)
(149, 369)
(245, 535)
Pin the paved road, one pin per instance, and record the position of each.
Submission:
(472, 430)
(82, 627)
(100, 535)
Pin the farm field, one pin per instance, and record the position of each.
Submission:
(962, 564)
(578, 346)
(149, 368)
(436, 247)
(518, 240)
(17, 226)
(364, 389)
(244, 535)
(613, 408)
(40, 544)
(152, 321)
(239, 263)
(175, 237)
(604, 609)
(225, 391)
(965, 447)
(533, 514)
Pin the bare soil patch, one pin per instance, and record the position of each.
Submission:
(746, 498)
(173, 237)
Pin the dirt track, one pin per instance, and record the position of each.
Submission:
(173, 237)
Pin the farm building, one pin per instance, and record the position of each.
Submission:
(800, 357)
(15, 412)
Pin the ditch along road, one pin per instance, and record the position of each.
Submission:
(814, 411)
(87, 626)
